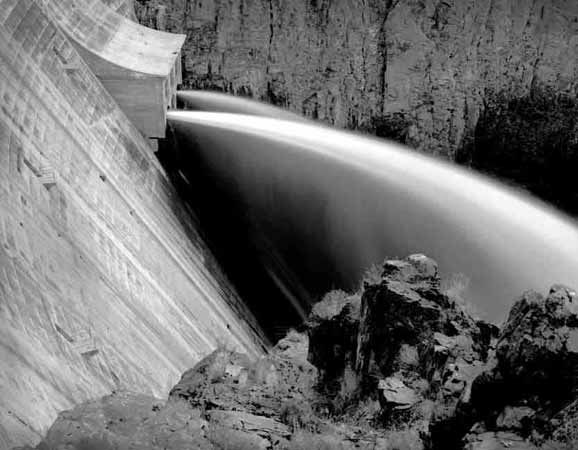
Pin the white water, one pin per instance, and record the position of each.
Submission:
(215, 102)
(320, 191)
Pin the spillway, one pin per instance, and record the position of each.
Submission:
(139, 66)
(217, 102)
(329, 204)
(105, 281)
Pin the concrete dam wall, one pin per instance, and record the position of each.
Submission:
(104, 280)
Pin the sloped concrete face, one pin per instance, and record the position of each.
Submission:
(104, 281)
(123, 7)
(139, 66)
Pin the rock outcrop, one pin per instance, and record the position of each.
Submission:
(532, 389)
(226, 401)
(417, 351)
(399, 365)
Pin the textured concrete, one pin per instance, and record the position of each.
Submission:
(139, 66)
(123, 7)
(104, 281)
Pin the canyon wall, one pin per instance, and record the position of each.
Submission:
(104, 280)
(418, 71)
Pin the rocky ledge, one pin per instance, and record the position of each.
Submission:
(400, 365)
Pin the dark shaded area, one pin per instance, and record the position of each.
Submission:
(224, 223)
(532, 142)
(390, 126)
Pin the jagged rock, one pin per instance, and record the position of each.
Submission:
(395, 313)
(538, 347)
(404, 342)
(126, 420)
(339, 438)
(408, 309)
(498, 441)
(535, 379)
(417, 269)
(395, 395)
(226, 380)
(248, 422)
(512, 418)
(259, 431)
(406, 318)
(333, 330)
(537, 359)
(565, 425)
(294, 345)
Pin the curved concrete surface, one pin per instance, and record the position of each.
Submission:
(123, 7)
(139, 66)
(104, 280)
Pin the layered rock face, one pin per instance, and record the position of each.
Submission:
(491, 84)
(419, 71)
(401, 365)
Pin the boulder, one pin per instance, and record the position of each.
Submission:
(125, 420)
(513, 417)
(262, 432)
(294, 345)
(536, 359)
(406, 343)
(333, 330)
(226, 380)
(538, 348)
(407, 308)
(395, 395)
(498, 441)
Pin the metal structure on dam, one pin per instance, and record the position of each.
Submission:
(104, 280)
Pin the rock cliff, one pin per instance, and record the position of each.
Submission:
(421, 71)
(437, 75)
(400, 365)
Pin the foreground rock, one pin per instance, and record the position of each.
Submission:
(417, 351)
(534, 386)
(398, 366)
(225, 402)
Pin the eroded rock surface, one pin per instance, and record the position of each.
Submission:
(420, 72)
(401, 365)
(533, 387)
(489, 83)
(417, 350)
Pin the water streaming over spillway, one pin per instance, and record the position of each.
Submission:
(208, 101)
(322, 205)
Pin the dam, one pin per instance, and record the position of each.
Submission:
(136, 238)
(105, 281)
